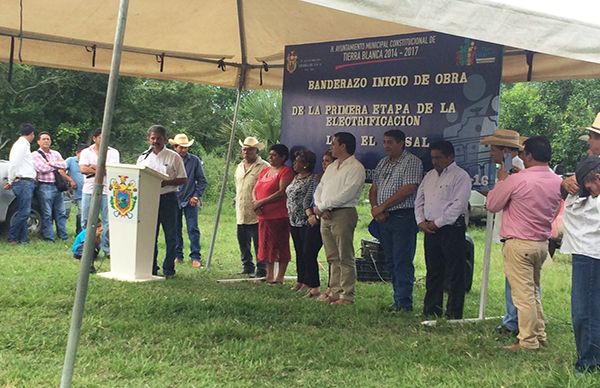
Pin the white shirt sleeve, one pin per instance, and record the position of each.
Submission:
(420, 202)
(16, 159)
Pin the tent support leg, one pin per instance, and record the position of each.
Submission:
(485, 272)
(242, 82)
(485, 279)
(226, 175)
(90, 235)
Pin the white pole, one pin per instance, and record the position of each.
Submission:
(485, 274)
(88, 248)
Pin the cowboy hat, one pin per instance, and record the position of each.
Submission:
(253, 142)
(503, 138)
(181, 139)
(596, 125)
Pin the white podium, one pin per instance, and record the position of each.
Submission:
(133, 200)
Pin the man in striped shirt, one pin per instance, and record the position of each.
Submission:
(45, 162)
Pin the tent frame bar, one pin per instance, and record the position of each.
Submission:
(208, 58)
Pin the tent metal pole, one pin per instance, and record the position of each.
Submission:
(89, 245)
(225, 176)
(242, 82)
(485, 274)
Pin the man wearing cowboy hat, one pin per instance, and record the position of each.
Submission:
(570, 185)
(504, 144)
(189, 199)
(246, 175)
(529, 201)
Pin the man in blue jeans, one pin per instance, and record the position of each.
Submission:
(168, 162)
(392, 198)
(21, 179)
(189, 198)
(45, 162)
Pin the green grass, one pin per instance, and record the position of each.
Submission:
(193, 331)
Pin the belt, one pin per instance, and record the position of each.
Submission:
(23, 179)
(459, 223)
(340, 208)
(402, 211)
(46, 183)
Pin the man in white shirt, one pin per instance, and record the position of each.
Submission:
(88, 160)
(168, 162)
(335, 198)
(582, 239)
(442, 200)
(21, 179)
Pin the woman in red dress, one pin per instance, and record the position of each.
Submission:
(270, 207)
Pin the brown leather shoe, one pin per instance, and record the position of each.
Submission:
(326, 299)
(342, 302)
(313, 293)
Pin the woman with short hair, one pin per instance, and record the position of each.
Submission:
(269, 202)
(304, 165)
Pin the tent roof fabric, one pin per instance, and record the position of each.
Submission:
(191, 37)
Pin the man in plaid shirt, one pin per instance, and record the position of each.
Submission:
(49, 198)
(392, 196)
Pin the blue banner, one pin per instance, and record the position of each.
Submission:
(430, 85)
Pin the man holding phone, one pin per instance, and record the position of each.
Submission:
(505, 145)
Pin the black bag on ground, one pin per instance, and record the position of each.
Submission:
(59, 181)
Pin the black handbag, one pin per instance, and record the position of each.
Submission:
(59, 181)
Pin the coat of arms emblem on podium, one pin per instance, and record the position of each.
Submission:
(123, 196)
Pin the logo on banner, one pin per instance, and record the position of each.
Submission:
(123, 196)
(291, 62)
(469, 54)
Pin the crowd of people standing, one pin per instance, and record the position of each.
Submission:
(275, 202)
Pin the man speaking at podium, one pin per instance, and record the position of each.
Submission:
(167, 162)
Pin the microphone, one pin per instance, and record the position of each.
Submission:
(146, 153)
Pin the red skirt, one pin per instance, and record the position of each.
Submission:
(274, 240)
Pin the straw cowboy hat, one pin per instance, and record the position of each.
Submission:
(596, 126)
(522, 140)
(253, 142)
(503, 138)
(181, 140)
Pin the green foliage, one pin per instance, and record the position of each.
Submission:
(559, 110)
(70, 105)
(260, 115)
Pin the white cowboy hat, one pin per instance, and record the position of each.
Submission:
(181, 140)
(503, 138)
(596, 125)
(253, 142)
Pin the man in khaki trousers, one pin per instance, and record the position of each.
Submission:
(529, 201)
(335, 199)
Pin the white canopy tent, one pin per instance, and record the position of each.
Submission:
(203, 41)
(185, 40)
